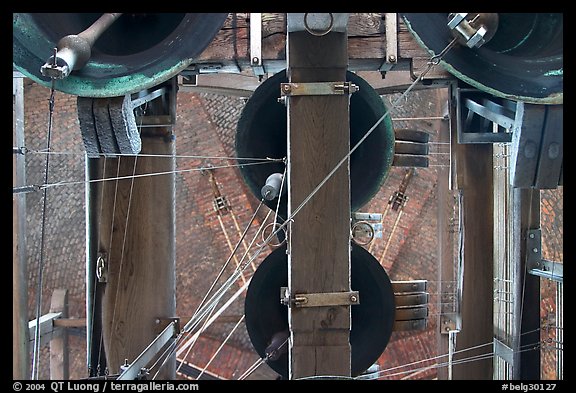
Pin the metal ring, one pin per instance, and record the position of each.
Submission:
(316, 32)
(275, 224)
(371, 232)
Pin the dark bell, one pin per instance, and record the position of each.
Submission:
(136, 52)
(521, 61)
(372, 319)
(262, 132)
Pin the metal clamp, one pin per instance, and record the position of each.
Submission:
(327, 299)
(317, 88)
(474, 38)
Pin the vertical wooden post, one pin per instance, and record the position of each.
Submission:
(475, 179)
(59, 366)
(136, 233)
(527, 202)
(446, 264)
(20, 354)
(319, 244)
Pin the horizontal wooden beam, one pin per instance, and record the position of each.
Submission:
(70, 322)
(366, 43)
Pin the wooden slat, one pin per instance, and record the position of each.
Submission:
(59, 366)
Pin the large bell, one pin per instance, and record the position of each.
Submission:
(136, 52)
(262, 132)
(522, 61)
(372, 319)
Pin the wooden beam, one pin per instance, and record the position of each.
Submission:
(366, 41)
(319, 244)
(475, 180)
(527, 206)
(20, 354)
(59, 366)
(445, 228)
(133, 226)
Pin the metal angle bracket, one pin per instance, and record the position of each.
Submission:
(327, 299)
(535, 264)
(317, 88)
(134, 370)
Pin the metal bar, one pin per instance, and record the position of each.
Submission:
(409, 286)
(327, 299)
(148, 97)
(133, 370)
(25, 189)
(415, 324)
(486, 113)
(503, 351)
(317, 88)
(411, 313)
(273, 66)
(411, 300)
(367, 216)
(391, 26)
(548, 269)
(256, 43)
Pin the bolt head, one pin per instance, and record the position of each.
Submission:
(392, 59)
(353, 298)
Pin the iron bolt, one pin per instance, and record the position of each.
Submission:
(353, 298)
(392, 59)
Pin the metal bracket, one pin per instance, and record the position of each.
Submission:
(135, 370)
(447, 324)
(535, 264)
(503, 351)
(327, 299)
(474, 37)
(367, 216)
(162, 323)
(317, 23)
(391, 26)
(317, 88)
(479, 115)
(256, 44)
